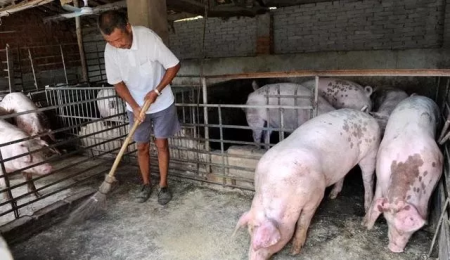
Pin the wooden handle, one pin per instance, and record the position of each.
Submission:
(127, 140)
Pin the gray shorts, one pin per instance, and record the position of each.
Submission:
(165, 124)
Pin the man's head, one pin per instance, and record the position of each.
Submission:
(115, 29)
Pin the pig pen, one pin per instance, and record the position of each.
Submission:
(211, 174)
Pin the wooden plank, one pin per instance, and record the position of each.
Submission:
(10, 63)
(22, 6)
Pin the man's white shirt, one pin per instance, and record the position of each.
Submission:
(141, 67)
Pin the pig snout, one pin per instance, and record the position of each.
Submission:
(397, 240)
(41, 169)
(45, 168)
(261, 254)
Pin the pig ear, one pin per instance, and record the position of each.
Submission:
(368, 90)
(378, 206)
(254, 85)
(243, 220)
(265, 235)
(42, 142)
(408, 219)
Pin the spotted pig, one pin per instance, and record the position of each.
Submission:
(291, 177)
(409, 165)
(342, 93)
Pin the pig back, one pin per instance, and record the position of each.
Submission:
(414, 117)
(338, 140)
(294, 95)
(342, 93)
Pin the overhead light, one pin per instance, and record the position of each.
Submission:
(189, 19)
(272, 8)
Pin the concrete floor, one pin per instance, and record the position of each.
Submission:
(198, 223)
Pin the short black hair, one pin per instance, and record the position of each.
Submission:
(109, 20)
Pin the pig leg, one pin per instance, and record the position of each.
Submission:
(255, 122)
(336, 189)
(304, 220)
(367, 166)
(30, 185)
(375, 210)
(6, 196)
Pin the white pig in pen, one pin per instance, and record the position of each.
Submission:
(292, 118)
(409, 165)
(34, 123)
(333, 94)
(112, 106)
(10, 133)
(291, 177)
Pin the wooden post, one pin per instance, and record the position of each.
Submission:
(80, 45)
(151, 14)
(10, 64)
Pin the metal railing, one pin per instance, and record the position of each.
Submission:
(202, 151)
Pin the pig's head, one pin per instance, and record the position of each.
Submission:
(358, 98)
(365, 103)
(403, 220)
(265, 236)
(30, 159)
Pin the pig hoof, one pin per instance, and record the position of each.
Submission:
(295, 251)
(37, 195)
(333, 195)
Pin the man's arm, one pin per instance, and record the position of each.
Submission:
(167, 78)
(124, 93)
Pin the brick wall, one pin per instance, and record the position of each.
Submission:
(343, 25)
(231, 38)
(29, 29)
(359, 25)
(26, 29)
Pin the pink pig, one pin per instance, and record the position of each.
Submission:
(10, 133)
(291, 177)
(409, 165)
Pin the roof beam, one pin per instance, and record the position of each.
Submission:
(22, 6)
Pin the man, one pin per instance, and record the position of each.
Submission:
(141, 67)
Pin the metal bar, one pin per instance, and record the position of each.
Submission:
(64, 63)
(8, 189)
(332, 73)
(10, 68)
(205, 111)
(316, 96)
(32, 68)
(222, 150)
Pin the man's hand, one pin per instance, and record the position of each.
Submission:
(137, 117)
(151, 96)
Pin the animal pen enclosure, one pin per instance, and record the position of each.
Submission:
(90, 124)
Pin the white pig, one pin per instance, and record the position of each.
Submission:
(384, 102)
(31, 123)
(292, 118)
(291, 177)
(409, 165)
(110, 106)
(10, 133)
(342, 93)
